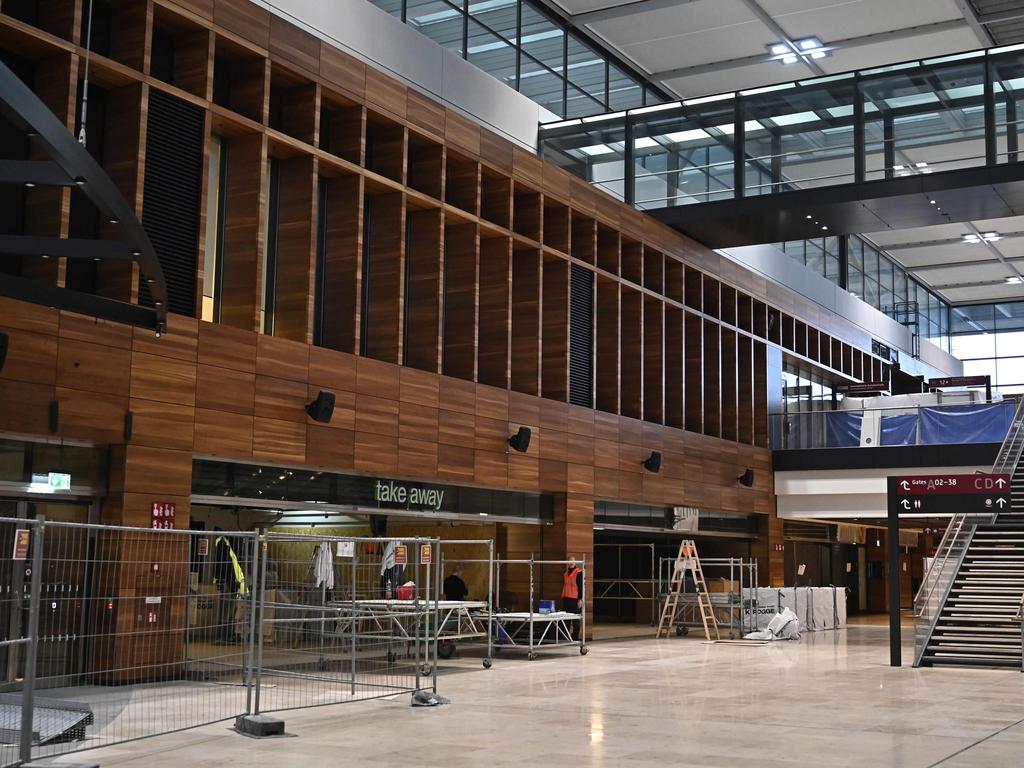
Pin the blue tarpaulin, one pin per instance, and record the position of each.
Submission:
(843, 429)
(899, 430)
(966, 423)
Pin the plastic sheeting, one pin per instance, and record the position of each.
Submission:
(843, 429)
(818, 608)
(899, 430)
(966, 424)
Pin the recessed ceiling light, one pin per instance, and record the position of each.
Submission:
(809, 44)
(932, 202)
(818, 55)
(921, 165)
(779, 49)
(1013, 281)
(824, 228)
(809, 216)
(789, 59)
(897, 167)
(970, 239)
(991, 236)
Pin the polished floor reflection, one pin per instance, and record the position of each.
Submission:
(829, 699)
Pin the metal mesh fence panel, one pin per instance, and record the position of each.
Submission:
(345, 619)
(140, 632)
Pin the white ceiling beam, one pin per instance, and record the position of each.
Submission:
(974, 22)
(612, 12)
(999, 17)
(942, 241)
(892, 35)
(956, 264)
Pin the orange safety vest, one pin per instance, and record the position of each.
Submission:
(571, 589)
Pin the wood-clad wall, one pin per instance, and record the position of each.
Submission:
(442, 320)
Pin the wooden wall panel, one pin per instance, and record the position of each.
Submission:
(675, 363)
(631, 354)
(461, 278)
(606, 369)
(729, 385)
(495, 313)
(244, 199)
(342, 262)
(694, 373)
(555, 330)
(654, 359)
(383, 259)
(712, 379)
(296, 241)
(423, 266)
(526, 320)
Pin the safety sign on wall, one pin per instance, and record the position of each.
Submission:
(22, 537)
(163, 515)
(426, 554)
(401, 554)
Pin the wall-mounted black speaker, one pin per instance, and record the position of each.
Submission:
(322, 408)
(520, 441)
(747, 478)
(3, 349)
(653, 462)
(378, 526)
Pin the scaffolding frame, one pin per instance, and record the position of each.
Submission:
(734, 609)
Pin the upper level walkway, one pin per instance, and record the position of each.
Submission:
(914, 144)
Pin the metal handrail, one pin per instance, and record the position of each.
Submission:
(928, 584)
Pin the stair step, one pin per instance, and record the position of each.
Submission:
(979, 660)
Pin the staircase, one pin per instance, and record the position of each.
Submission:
(968, 610)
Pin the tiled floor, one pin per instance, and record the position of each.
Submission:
(829, 700)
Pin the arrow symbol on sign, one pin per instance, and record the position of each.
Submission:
(1000, 482)
(904, 485)
(1001, 502)
(905, 503)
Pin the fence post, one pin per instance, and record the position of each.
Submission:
(418, 625)
(354, 621)
(262, 552)
(436, 543)
(31, 652)
(250, 671)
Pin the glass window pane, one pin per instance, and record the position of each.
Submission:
(438, 20)
(498, 15)
(587, 72)
(492, 54)
(1009, 343)
(815, 257)
(974, 345)
(971, 319)
(855, 254)
(539, 83)
(1010, 370)
(870, 292)
(980, 368)
(856, 283)
(542, 39)
(623, 91)
(884, 273)
(578, 103)
(1010, 315)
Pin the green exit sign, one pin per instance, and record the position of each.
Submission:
(60, 481)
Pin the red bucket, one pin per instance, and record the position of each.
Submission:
(404, 592)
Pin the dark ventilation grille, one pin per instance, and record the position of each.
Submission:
(581, 336)
(173, 187)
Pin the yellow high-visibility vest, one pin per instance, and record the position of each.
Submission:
(239, 573)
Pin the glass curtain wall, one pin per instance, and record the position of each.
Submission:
(989, 338)
(517, 42)
(902, 120)
(876, 280)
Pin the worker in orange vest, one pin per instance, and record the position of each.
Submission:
(572, 594)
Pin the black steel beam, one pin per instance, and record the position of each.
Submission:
(72, 248)
(34, 172)
(38, 292)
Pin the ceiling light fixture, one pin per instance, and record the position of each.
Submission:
(798, 50)
(779, 49)
(973, 239)
(789, 59)
(1014, 281)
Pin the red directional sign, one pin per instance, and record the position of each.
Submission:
(927, 485)
(947, 494)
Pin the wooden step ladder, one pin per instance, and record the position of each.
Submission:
(687, 559)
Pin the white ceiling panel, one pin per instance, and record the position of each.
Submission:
(920, 47)
(843, 19)
(1001, 292)
(685, 22)
(733, 79)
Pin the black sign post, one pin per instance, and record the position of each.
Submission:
(893, 547)
(978, 494)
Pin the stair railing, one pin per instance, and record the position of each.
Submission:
(1020, 617)
(1013, 446)
(956, 540)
